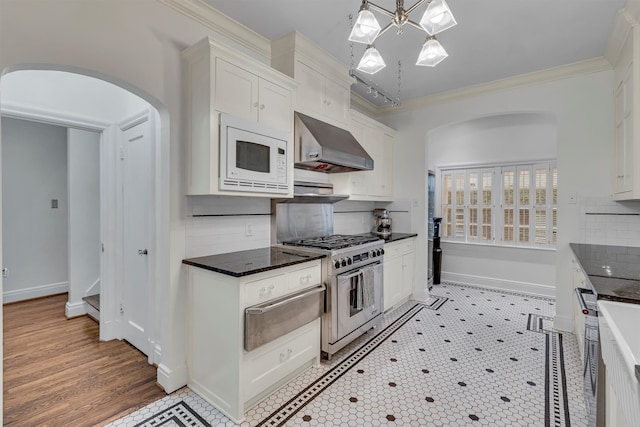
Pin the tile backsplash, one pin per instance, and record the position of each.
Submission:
(605, 222)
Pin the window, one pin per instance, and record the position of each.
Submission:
(506, 205)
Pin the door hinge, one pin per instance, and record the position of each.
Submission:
(121, 153)
(121, 309)
(102, 246)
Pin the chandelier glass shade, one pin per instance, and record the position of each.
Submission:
(436, 18)
(432, 53)
(371, 61)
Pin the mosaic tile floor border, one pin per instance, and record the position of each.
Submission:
(472, 361)
(179, 415)
(293, 406)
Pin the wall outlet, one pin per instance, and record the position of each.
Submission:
(54, 203)
(5, 272)
(248, 229)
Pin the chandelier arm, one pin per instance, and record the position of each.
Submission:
(418, 4)
(414, 24)
(381, 10)
(382, 31)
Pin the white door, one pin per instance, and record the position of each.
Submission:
(137, 223)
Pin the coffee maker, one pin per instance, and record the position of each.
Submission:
(383, 222)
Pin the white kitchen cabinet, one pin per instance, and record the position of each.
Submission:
(399, 259)
(378, 141)
(220, 79)
(219, 368)
(324, 90)
(626, 179)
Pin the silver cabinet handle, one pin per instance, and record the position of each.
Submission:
(142, 252)
(583, 305)
(265, 308)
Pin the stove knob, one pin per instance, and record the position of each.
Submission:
(378, 252)
(382, 251)
(343, 262)
(337, 264)
(349, 261)
(373, 254)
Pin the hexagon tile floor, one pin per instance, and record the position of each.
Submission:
(472, 356)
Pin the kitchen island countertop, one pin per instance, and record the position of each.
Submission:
(613, 271)
(245, 263)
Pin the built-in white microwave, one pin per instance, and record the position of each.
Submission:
(253, 157)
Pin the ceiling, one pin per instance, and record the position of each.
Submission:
(494, 39)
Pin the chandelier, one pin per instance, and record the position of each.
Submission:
(436, 18)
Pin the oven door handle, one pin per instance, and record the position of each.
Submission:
(583, 305)
(350, 276)
(265, 308)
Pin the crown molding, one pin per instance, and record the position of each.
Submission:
(212, 18)
(626, 19)
(52, 117)
(361, 104)
(538, 77)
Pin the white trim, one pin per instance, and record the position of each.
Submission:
(134, 120)
(92, 312)
(563, 323)
(95, 284)
(35, 292)
(44, 115)
(584, 67)
(172, 380)
(537, 289)
(110, 330)
(75, 309)
(203, 13)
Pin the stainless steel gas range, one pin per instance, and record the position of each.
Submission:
(352, 273)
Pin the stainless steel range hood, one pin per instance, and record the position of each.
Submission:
(322, 147)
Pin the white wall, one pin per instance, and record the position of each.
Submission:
(491, 140)
(582, 107)
(34, 238)
(83, 152)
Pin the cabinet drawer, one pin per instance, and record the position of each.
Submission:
(266, 366)
(265, 289)
(304, 278)
(398, 248)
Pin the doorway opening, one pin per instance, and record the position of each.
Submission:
(111, 241)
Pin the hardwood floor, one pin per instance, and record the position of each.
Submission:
(57, 373)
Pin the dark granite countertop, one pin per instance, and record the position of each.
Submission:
(244, 263)
(613, 271)
(393, 237)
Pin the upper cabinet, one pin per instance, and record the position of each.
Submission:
(626, 179)
(221, 80)
(324, 83)
(377, 140)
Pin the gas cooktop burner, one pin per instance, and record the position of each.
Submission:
(335, 241)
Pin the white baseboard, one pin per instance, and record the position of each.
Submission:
(110, 330)
(157, 354)
(92, 312)
(501, 284)
(35, 292)
(75, 309)
(563, 323)
(172, 380)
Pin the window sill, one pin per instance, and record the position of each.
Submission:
(487, 245)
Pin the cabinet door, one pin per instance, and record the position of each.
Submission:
(236, 91)
(375, 150)
(407, 274)
(624, 134)
(392, 281)
(274, 106)
(385, 169)
(309, 93)
(336, 102)
(359, 184)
